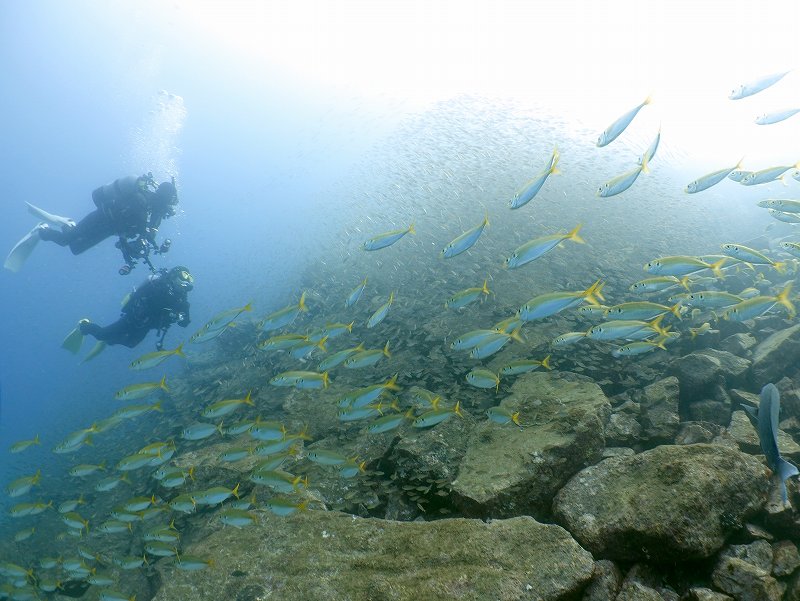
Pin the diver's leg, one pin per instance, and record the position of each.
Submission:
(62, 238)
(116, 333)
(91, 230)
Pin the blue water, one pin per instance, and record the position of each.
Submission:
(82, 105)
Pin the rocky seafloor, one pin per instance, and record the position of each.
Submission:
(651, 486)
(629, 480)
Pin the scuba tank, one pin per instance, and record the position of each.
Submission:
(111, 197)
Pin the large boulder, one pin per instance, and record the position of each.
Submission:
(320, 555)
(700, 371)
(672, 503)
(774, 355)
(509, 470)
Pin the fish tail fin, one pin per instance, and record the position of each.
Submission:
(386, 349)
(676, 310)
(648, 100)
(391, 384)
(783, 298)
(235, 491)
(350, 326)
(485, 219)
(163, 384)
(546, 362)
(786, 469)
(593, 292)
(780, 266)
(656, 325)
(321, 343)
(645, 164)
(391, 297)
(179, 350)
(302, 302)
(326, 380)
(484, 289)
(716, 268)
(516, 336)
(411, 229)
(573, 235)
(36, 439)
(554, 162)
(457, 409)
(248, 306)
(248, 400)
(684, 281)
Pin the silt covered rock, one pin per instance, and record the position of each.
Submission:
(774, 355)
(319, 556)
(698, 372)
(508, 470)
(672, 503)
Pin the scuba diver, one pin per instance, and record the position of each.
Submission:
(130, 208)
(155, 305)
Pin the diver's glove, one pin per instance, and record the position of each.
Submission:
(164, 247)
(125, 269)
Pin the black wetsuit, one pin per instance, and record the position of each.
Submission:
(155, 305)
(124, 210)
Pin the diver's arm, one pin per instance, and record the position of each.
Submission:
(183, 313)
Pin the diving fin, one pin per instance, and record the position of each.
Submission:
(55, 220)
(22, 250)
(96, 350)
(73, 341)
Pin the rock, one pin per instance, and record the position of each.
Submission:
(785, 558)
(774, 355)
(782, 518)
(622, 429)
(508, 471)
(743, 580)
(793, 589)
(617, 452)
(318, 555)
(697, 372)
(636, 591)
(659, 411)
(694, 432)
(704, 594)
(745, 435)
(757, 553)
(643, 583)
(606, 582)
(790, 399)
(738, 344)
(672, 503)
(755, 532)
(709, 410)
(742, 397)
